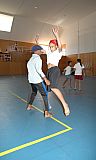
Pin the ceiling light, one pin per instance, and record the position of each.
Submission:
(35, 7)
(5, 22)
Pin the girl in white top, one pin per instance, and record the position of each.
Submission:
(67, 72)
(79, 69)
(53, 73)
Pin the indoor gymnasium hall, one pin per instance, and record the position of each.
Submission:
(47, 80)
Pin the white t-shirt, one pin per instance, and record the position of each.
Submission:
(54, 57)
(34, 67)
(67, 70)
(78, 68)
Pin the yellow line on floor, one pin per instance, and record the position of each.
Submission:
(33, 142)
(14, 94)
(63, 124)
(58, 121)
(38, 140)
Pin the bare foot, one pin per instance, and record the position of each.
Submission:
(29, 107)
(66, 110)
(47, 114)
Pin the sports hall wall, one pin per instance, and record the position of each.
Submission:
(16, 65)
(89, 61)
(80, 38)
(14, 62)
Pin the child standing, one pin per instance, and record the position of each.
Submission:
(67, 72)
(79, 71)
(36, 78)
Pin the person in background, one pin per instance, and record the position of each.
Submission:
(79, 72)
(67, 72)
(36, 78)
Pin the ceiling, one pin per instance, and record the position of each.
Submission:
(45, 13)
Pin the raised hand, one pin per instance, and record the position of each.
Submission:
(55, 31)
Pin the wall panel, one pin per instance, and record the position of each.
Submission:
(89, 61)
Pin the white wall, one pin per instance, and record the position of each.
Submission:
(25, 29)
(87, 36)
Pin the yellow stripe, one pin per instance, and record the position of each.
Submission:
(33, 142)
(38, 140)
(40, 110)
(25, 101)
(63, 124)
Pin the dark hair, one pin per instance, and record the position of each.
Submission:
(69, 62)
(79, 60)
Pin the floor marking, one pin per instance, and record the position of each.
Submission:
(40, 110)
(38, 140)
(33, 142)
(14, 94)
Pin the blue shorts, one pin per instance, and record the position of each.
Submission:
(68, 76)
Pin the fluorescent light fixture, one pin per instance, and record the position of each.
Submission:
(35, 7)
(5, 22)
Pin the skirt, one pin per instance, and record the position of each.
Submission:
(79, 77)
(53, 75)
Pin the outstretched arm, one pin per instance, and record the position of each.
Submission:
(55, 32)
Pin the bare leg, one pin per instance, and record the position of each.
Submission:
(79, 85)
(70, 82)
(62, 100)
(76, 81)
(65, 82)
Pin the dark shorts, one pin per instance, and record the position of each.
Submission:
(53, 75)
(79, 77)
